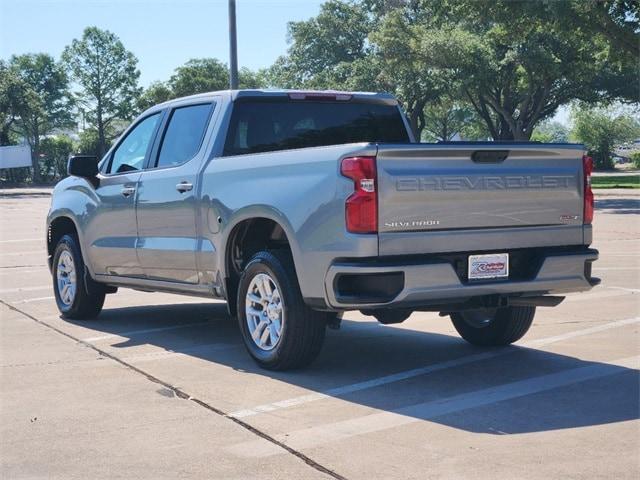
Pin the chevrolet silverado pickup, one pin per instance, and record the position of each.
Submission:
(297, 206)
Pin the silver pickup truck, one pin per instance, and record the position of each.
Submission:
(297, 206)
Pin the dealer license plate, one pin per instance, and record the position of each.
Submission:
(482, 267)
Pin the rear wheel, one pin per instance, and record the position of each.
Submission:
(279, 330)
(493, 327)
(77, 297)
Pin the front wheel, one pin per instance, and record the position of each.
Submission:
(493, 327)
(70, 286)
(279, 330)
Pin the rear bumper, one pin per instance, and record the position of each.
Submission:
(416, 282)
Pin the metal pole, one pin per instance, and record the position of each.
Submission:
(233, 46)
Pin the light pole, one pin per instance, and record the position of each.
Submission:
(233, 47)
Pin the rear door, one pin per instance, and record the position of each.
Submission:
(432, 196)
(167, 196)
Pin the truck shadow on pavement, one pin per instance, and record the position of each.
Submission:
(518, 390)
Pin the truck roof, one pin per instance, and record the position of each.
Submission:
(384, 98)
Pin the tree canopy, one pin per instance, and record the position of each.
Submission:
(108, 76)
(601, 129)
(198, 75)
(12, 93)
(34, 88)
(550, 131)
(513, 63)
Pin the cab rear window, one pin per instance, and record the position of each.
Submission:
(280, 124)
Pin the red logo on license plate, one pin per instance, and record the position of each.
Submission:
(490, 267)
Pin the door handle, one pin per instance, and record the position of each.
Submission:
(127, 191)
(184, 187)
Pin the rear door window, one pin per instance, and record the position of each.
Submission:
(184, 134)
(259, 125)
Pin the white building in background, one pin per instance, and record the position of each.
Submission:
(15, 156)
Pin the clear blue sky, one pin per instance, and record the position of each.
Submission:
(163, 34)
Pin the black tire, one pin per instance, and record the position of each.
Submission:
(89, 297)
(495, 327)
(303, 329)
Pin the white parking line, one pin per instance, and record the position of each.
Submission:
(33, 252)
(23, 240)
(600, 269)
(619, 240)
(579, 333)
(142, 332)
(29, 300)
(625, 289)
(331, 433)
(396, 377)
(13, 271)
(598, 293)
(26, 289)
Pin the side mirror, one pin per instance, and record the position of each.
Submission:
(85, 166)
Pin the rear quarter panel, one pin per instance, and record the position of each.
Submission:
(302, 190)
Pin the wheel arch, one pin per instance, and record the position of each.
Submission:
(58, 226)
(253, 231)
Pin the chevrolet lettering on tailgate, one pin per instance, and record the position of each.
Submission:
(484, 183)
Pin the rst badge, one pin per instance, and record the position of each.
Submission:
(495, 265)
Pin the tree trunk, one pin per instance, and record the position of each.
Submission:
(521, 136)
(413, 122)
(35, 156)
(416, 119)
(101, 138)
(101, 133)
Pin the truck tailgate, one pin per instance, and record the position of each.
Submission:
(453, 197)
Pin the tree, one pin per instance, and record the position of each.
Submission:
(56, 151)
(247, 78)
(157, 92)
(600, 129)
(519, 61)
(42, 99)
(410, 76)
(515, 63)
(12, 92)
(327, 51)
(198, 75)
(334, 51)
(89, 142)
(201, 75)
(108, 76)
(617, 20)
(550, 132)
(337, 35)
(445, 118)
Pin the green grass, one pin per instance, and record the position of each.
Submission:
(622, 181)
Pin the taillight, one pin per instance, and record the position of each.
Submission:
(361, 208)
(587, 167)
